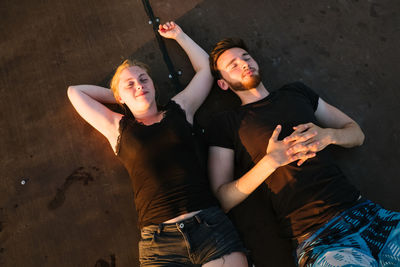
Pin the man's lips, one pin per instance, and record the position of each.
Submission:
(248, 73)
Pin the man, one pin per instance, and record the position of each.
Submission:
(314, 202)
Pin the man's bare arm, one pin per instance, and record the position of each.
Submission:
(221, 167)
(337, 128)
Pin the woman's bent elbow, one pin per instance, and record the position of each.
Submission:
(71, 90)
(362, 138)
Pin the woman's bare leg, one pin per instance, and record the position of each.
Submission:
(235, 259)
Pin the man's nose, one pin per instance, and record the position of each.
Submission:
(245, 65)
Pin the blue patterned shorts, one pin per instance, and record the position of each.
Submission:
(364, 235)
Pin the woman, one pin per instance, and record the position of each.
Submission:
(180, 222)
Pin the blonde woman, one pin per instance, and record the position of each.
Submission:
(180, 220)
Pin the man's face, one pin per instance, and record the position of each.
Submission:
(238, 69)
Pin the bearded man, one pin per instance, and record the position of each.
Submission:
(281, 138)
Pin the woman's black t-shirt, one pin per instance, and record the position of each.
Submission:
(162, 161)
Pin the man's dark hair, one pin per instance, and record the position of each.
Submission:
(220, 48)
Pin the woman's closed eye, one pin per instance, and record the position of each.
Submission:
(130, 84)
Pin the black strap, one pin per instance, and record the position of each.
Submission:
(155, 22)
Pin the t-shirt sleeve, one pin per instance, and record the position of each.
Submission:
(219, 132)
(306, 91)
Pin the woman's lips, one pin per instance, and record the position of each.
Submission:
(142, 93)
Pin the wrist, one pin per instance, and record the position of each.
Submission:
(181, 36)
(269, 162)
(331, 136)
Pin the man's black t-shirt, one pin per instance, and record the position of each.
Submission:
(302, 197)
(162, 161)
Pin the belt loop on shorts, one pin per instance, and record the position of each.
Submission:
(160, 228)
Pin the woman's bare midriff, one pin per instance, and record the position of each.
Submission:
(183, 217)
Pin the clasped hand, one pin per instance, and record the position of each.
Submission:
(302, 144)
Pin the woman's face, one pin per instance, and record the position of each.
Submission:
(136, 88)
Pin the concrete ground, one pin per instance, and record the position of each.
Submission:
(76, 206)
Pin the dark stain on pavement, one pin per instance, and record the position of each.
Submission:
(81, 174)
(103, 263)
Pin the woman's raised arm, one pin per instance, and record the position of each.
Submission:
(197, 90)
(88, 101)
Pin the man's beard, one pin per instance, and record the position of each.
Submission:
(251, 82)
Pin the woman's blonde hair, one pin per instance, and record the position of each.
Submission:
(126, 64)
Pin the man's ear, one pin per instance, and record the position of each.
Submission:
(223, 84)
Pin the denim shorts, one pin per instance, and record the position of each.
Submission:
(207, 236)
(364, 235)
